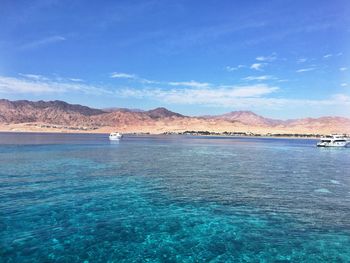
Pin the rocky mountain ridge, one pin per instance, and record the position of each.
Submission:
(158, 120)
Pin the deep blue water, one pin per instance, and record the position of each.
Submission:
(80, 198)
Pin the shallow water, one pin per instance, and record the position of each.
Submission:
(80, 198)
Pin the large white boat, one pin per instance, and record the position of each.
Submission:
(334, 140)
(115, 136)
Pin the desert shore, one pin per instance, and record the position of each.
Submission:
(62, 117)
(252, 132)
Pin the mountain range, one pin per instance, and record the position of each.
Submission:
(61, 116)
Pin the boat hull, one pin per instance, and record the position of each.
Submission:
(334, 140)
(332, 144)
(115, 139)
(115, 136)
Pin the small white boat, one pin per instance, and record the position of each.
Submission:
(115, 136)
(334, 140)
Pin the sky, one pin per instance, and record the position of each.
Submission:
(281, 59)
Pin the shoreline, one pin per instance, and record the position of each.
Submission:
(264, 136)
(164, 128)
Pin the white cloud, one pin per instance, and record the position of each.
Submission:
(191, 92)
(15, 85)
(191, 83)
(344, 84)
(76, 80)
(119, 75)
(147, 81)
(257, 66)
(250, 91)
(43, 42)
(266, 58)
(305, 70)
(343, 68)
(219, 96)
(224, 96)
(33, 85)
(328, 56)
(341, 98)
(230, 69)
(134, 77)
(259, 78)
(43, 78)
(33, 76)
(302, 60)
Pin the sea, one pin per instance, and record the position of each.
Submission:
(81, 198)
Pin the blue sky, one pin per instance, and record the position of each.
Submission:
(282, 59)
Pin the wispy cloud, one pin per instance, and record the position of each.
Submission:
(267, 58)
(175, 92)
(33, 76)
(30, 84)
(136, 78)
(76, 80)
(343, 68)
(43, 42)
(121, 75)
(208, 94)
(239, 96)
(344, 84)
(37, 77)
(341, 98)
(192, 83)
(305, 70)
(230, 69)
(260, 78)
(257, 66)
(302, 60)
(218, 96)
(328, 56)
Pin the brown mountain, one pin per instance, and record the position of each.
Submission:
(54, 112)
(155, 113)
(162, 113)
(313, 125)
(248, 118)
(61, 116)
(113, 109)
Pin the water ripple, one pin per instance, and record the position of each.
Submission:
(166, 199)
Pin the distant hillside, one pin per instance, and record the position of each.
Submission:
(22, 114)
(58, 112)
(162, 113)
(155, 113)
(247, 117)
(315, 125)
(114, 109)
(57, 104)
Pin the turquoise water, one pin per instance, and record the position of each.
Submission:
(80, 198)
